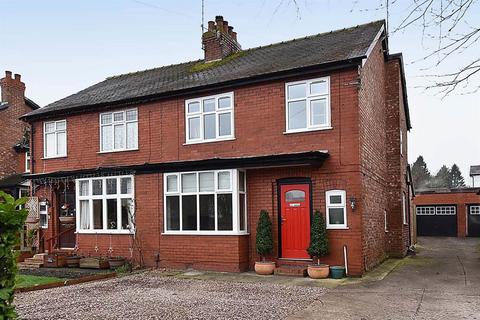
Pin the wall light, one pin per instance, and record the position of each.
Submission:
(353, 203)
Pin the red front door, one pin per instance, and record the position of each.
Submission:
(295, 220)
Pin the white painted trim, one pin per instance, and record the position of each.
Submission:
(308, 130)
(372, 45)
(112, 124)
(55, 132)
(204, 233)
(342, 205)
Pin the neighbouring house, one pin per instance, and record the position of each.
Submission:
(448, 212)
(172, 165)
(475, 175)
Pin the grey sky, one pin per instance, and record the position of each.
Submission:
(61, 47)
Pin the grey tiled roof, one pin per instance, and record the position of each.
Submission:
(330, 47)
(475, 170)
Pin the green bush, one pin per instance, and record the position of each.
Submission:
(318, 237)
(264, 238)
(12, 220)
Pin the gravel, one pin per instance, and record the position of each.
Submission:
(152, 295)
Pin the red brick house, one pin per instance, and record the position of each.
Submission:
(187, 155)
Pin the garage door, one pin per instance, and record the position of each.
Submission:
(440, 221)
(474, 220)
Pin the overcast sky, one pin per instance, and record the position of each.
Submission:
(60, 47)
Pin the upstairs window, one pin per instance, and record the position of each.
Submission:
(27, 161)
(55, 139)
(209, 119)
(119, 131)
(308, 105)
(336, 209)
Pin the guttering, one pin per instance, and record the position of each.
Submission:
(301, 71)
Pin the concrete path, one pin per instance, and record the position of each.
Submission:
(441, 282)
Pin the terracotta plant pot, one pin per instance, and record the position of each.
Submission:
(318, 271)
(264, 268)
(116, 262)
(73, 261)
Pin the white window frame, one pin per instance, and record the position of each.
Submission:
(404, 208)
(385, 219)
(342, 205)
(234, 190)
(474, 210)
(27, 161)
(56, 132)
(112, 124)
(308, 98)
(425, 210)
(445, 210)
(43, 212)
(217, 113)
(104, 196)
(401, 142)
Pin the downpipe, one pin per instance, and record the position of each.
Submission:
(345, 259)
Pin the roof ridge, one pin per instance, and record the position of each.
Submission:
(151, 69)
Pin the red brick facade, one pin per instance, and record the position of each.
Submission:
(361, 145)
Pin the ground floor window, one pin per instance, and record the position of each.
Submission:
(205, 202)
(336, 209)
(105, 204)
(43, 214)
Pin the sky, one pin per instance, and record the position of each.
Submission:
(61, 47)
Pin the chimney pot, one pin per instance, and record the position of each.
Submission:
(211, 25)
(225, 26)
(219, 22)
(230, 30)
(17, 77)
(234, 35)
(8, 74)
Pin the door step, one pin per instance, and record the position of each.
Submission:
(35, 262)
(291, 270)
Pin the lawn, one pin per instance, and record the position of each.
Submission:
(24, 281)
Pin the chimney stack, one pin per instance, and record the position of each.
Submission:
(13, 89)
(220, 40)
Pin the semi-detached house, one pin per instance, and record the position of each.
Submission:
(173, 165)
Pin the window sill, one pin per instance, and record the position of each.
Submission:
(115, 151)
(126, 232)
(307, 130)
(208, 141)
(337, 228)
(204, 233)
(56, 157)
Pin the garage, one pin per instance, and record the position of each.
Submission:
(474, 220)
(437, 220)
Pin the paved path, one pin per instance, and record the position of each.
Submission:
(441, 282)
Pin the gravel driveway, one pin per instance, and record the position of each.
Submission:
(154, 296)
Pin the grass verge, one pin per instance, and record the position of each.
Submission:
(27, 281)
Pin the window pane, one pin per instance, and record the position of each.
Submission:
(336, 216)
(112, 186)
(336, 199)
(297, 116)
(50, 145)
(295, 195)
(126, 185)
(132, 135)
(97, 187)
(241, 180)
(173, 213)
(131, 115)
(119, 136)
(318, 112)
(209, 105)
(209, 128)
(207, 212)
(84, 214)
(127, 213)
(43, 221)
(106, 118)
(107, 138)
(241, 211)
(83, 186)
(111, 213)
(193, 107)
(61, 143)
(297, 91)
(319, 87)
(194, 128)
(61, 125)
(206, 181)
(97, 214)
(118, 116)
(224, 208)
(189, 182)
(224, 180)
(224, 103)
(189, 212)
(225, 124)
(172, 183)
(49, 126)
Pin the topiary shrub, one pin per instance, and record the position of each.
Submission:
(318, 237)
(12, 220)
(264, 237)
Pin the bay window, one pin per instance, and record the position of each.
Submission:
(105, 204)
(308, 105)
(205, 202)
(119, 131)
(209, 118)
(55, 139)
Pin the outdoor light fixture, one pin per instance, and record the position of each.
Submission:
(353, 202)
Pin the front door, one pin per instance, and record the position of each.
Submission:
(66, 217)
(295, 220)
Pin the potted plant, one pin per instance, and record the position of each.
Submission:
(116, 262)
(264, 244)
(318, 247)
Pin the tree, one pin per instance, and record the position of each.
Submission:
(420, 174)
(442, 178)
(456, 178)
(12, 219)
(264, 237)
(318, 237)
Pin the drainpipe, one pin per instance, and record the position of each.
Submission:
(345, 259)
